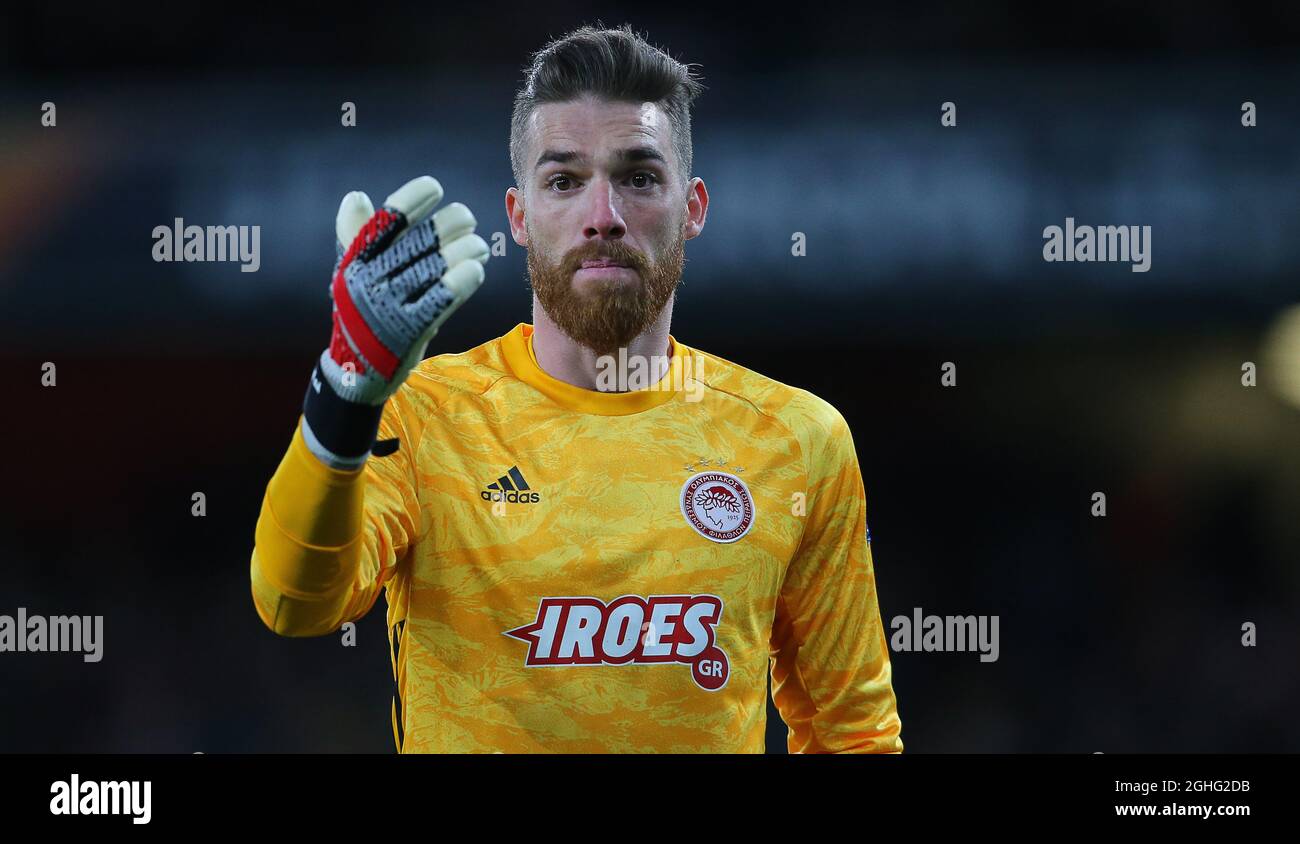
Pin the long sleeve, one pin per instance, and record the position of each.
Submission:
(327, 540)
(831, 675)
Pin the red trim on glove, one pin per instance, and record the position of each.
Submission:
(383, 360)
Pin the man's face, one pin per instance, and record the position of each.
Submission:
(604, 213)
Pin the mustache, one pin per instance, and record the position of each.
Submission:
(613, 250)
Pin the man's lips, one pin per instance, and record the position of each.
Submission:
(601, 263)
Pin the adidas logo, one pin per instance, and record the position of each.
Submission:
(510, 487)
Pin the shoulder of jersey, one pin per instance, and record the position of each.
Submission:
(795, 407)
(473, 371)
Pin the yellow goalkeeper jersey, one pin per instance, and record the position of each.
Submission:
(579, 571)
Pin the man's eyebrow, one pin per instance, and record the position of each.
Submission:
(559, 157)
(635, 154)
(625, 156)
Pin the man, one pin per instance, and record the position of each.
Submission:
(593, 538)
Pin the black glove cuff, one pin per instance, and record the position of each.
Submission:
(346, 428)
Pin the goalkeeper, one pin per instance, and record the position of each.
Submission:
(591, 537)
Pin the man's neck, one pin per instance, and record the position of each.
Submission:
(564, 359)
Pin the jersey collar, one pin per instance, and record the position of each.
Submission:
(517, 346)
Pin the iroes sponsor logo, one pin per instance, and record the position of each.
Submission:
(677, 629)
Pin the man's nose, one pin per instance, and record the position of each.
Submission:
(603, 218)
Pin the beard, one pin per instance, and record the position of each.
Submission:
(610, 314)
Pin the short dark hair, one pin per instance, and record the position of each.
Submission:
(613, 64)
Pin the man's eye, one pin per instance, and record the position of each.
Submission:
(643, 180)
(560, 183)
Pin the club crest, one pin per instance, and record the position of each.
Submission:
(718, 505)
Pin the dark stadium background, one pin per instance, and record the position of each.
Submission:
(924, 246)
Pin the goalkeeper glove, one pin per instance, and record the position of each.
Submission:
(401, 272)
